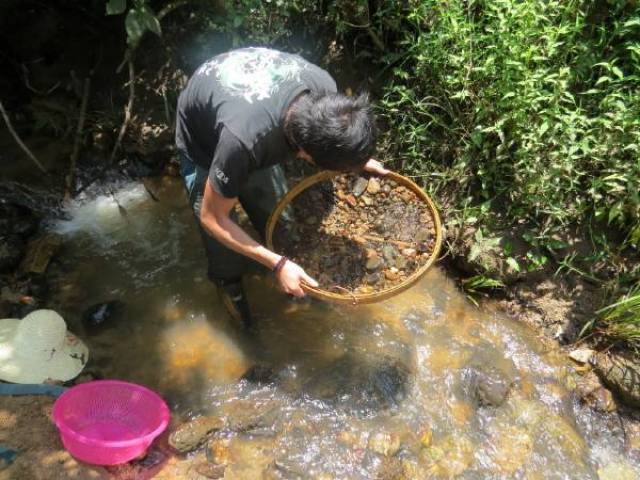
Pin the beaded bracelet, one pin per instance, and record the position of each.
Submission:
(280, 264)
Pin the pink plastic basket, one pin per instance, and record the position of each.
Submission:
(108, 422)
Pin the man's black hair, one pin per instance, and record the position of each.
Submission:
(338, 131)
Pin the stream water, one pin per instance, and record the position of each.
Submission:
(403, 387)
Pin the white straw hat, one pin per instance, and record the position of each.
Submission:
(39, 348)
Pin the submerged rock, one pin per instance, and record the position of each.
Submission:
(191, 435)
(251, 417)
(449, 458)
(620, 470)
(260, 374)
(487, 386)
(384, 443)
(102, 316)
(511, 449)
(621, 374)
(39, 253)
(591, 393)
(362, 384)
(210, 470)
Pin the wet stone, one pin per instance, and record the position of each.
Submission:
(247, 416)
(621, 374)
(401, 263)
(601, 400)
(39, 253)
(374, 186)
(381, 384)
(389, 253)
(409, 252)
(373, 263)
(102, 316)
(360, 186)
(210, 470)
(217, 451)
(391, 275)
(191, 435)
(423, 235)
(260, 374)
(487, 386)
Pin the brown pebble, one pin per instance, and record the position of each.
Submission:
(211, 470)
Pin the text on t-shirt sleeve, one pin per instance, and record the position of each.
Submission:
(230, 166)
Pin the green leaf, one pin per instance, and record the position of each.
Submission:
(543, 128)
(116, 7)
(150, 20)
(135, 24)
(617, 72)
(513, 263)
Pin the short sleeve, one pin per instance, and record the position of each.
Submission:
(230, 166)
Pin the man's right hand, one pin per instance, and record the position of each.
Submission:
(291, 277)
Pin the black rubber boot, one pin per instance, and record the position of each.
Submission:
(234, 299)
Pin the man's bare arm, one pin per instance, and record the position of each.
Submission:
(214, 217)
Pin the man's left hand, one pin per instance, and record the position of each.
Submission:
(374, 166)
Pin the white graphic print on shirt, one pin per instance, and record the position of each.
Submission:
(253, 73)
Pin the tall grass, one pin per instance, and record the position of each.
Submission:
(621, 320)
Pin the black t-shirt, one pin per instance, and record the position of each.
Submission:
(230, 115)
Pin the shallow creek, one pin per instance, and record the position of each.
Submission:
(403, 387)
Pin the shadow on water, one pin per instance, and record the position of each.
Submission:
(420, 383)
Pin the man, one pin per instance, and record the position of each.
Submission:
(241, 115)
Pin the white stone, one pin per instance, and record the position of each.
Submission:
(582, 355)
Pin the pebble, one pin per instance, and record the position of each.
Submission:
(389, 253)
(374, 186)
(373, 263)
(422, 235)
(351, 200)
(391, 275)
(367, 200)
(360, 186)
(401, 262)
(408, 252)
(407, 197)
(374, 278)
(210, 470)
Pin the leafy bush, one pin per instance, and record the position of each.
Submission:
(533, 103)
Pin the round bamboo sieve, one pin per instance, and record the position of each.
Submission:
(354, 298)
